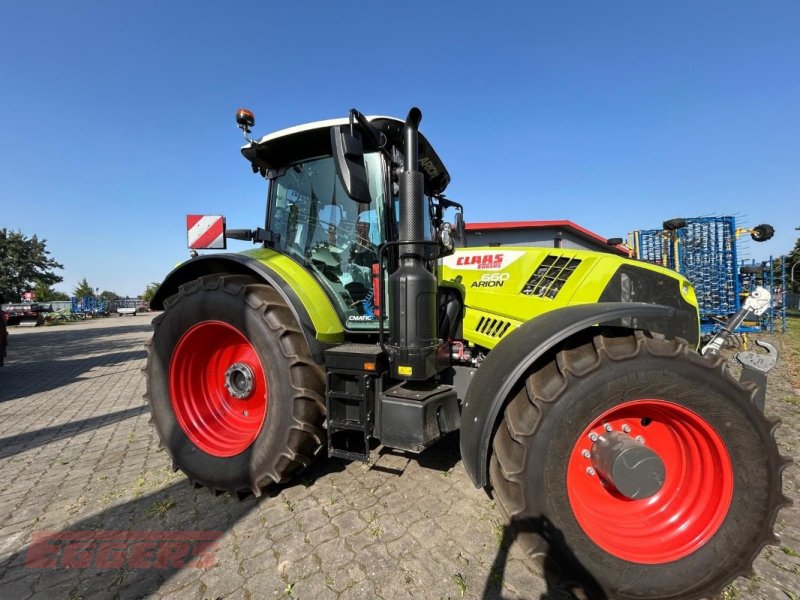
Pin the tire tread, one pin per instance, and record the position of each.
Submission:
(306, 436)
(527, 409)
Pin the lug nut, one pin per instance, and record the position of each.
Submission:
(640, 439)
(608, 427)
(586, 454)
(593, 437)
(590, 472)
(626, 428)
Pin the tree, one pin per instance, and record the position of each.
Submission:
(109, 296)
(45, 293)
(791, 260)
(24, 262)
(150, 291)
(84, 289)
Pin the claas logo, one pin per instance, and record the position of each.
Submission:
(481, 261)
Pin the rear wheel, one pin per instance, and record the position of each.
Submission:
(640, 468)
(236, 398)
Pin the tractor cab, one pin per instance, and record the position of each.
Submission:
(334, 232)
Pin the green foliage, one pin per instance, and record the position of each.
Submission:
(792, 259)
(109, 296)
(461, 583)
(45, 293)
(84, 289)
(24, 261)
(150, 291)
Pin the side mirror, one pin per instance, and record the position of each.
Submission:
(459, 229)
(348, 155)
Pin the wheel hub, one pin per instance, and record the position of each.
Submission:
(239, 381)
(650, 481)
(635, 470)
(218, 387)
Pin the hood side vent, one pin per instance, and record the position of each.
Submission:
(492, 327)
(550, 277)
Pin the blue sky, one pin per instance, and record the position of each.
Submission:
(116, 119)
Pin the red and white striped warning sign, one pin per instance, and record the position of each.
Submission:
(205, 231)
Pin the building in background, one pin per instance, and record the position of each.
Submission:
(550, 234)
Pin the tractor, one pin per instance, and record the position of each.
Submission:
(612, 446)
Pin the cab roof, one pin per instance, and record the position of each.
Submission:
(282, 148)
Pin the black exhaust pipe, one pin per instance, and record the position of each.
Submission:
(414, 346)
(412, 186)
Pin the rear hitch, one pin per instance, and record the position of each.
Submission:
(755, 366)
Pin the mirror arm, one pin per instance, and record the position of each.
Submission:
(253, 235)
(447, 203)
(366, 126)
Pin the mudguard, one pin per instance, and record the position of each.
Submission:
(320, 329)
(511, 359)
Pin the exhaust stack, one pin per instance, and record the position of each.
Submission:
(413, 343)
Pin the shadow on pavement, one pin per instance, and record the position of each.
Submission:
(14, 444)
(58, 343)
(444, 455)
(56, 334)
(22, 379)
(565, 576)
(165, 519)
(54, 564)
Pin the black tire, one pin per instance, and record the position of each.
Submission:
(544, 424)
(762, 233)
(674, 224)
(292, 431)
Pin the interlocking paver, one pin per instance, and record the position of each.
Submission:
(77, 453)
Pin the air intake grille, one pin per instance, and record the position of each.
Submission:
(551, 276)
(493, 327)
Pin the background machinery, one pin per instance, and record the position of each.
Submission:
(705, 251)
(614, 449)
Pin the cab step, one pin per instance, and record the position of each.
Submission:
(353, 375)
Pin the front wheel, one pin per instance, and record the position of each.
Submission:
(235, 396)
(640, 468)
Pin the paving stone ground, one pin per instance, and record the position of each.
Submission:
(77, 454)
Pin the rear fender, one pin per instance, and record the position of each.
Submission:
(512, 358)
(320, 331)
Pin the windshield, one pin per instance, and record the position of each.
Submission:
(329, 232)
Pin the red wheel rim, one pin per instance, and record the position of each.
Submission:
(688, 509)
(208, 356)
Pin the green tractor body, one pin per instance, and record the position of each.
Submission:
(573, 376)
(505, 287)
